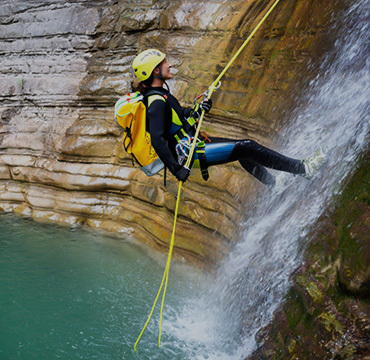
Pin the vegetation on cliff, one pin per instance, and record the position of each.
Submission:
(326, 314)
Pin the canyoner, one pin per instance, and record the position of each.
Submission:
(131, 116)
(159, 133)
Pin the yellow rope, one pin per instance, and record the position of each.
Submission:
(211, 89)
(165, 275)
(243, 46)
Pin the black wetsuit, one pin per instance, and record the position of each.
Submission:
(253, 157)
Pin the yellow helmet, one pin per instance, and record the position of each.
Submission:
(146, 62)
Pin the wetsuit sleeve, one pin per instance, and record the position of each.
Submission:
(157, 130)
(187, 112)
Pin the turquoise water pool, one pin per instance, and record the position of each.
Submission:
(75, 294)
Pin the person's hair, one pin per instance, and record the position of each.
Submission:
(142, 86)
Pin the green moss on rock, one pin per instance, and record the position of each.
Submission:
(326, 312)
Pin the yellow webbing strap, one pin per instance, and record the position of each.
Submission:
(211, 89)
(154, 97)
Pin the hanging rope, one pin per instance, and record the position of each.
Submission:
(215, 85)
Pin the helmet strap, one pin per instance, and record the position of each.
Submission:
(161, 77)
(160, 73)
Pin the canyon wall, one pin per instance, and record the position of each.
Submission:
(63, 66)
(326, 313)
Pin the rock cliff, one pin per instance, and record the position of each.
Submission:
(326, 313)
(64, 64)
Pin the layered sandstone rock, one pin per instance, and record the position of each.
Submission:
(64, 64)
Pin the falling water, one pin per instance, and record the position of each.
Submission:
(251, 283)
(71, 295)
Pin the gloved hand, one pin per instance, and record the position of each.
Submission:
(206, 105)
(182, 174)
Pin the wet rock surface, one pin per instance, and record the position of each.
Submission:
(63, 66)
(326, 312)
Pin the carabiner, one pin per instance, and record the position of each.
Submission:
(214, 88)
(205, 94)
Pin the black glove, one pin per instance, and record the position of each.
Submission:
(206, 105)
(182, 174)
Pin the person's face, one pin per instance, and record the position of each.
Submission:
(166, 70)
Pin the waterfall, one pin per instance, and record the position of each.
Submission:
(252, 281)
(75, 294)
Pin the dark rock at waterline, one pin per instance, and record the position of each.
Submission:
(326, 314)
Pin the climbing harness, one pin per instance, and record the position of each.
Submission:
(183, 150)
(214, 86)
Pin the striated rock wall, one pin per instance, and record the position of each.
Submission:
(64, 64)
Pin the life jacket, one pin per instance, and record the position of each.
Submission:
(131, 116)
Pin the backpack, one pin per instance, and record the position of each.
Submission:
(130, 114)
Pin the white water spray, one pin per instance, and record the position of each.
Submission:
(254, 279)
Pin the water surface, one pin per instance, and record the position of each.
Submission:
(74, 294)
